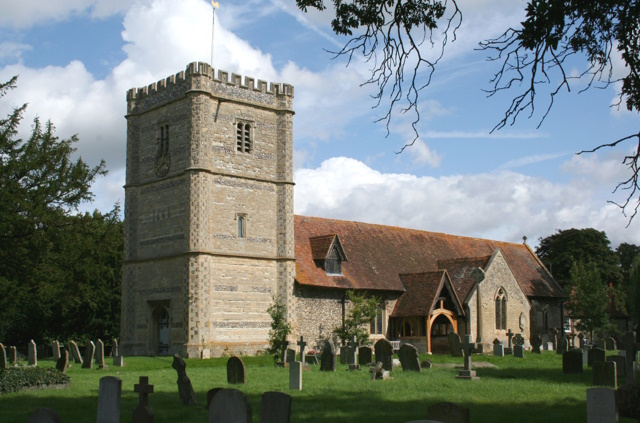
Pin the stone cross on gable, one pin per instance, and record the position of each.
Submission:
(143, 413)
(302, 346)
(630, 347)
(510, 335)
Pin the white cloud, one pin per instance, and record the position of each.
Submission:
(13, 50)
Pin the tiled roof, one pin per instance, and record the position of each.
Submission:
(378, 254)
(320, 246)
(460, 271)
(421, 294)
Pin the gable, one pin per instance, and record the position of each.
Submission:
(422, 293)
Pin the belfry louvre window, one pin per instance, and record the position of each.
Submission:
(501, 310)
(244, 137)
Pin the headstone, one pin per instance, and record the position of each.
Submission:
(563, 345)
(604, 374)
(44, 415)
(365, 355)
(601, 405)
(187, 396)
(109, 394)
(230, 406)
(518, 351)
(548, 346)
(205, 354)
(115, 351)
(498, 348)
(291, 356)
(75, 353)
(87, 362)
(352, 357)
(409, 358)
(628, 401)
(344, 354)
(3, 358)
(13, 356)
(63, 362)
(118, 361)
(33, 354)
(211, 393)
(448, 412)
(572, 362)
(518, 339)
(536, 343)
(595, 354)
(454, 344)
(285, 344)
(55, 346)
(378, 372)
(467, 347)
(143, 413)
(275, 407)
(295, 376)
(235, 371)
(620, 364)
(610, 344)
(100, 354)
(384, 354)
(630, 348)
(426, 364)
(328, 360)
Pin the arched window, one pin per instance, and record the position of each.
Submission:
(242, 225)
(501, 310)
(244, 137)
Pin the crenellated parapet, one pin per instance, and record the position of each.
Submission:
(201, 76)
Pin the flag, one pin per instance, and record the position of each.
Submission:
(214, 4)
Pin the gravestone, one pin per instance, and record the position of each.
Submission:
(109, 394)
(185, 389)
(454, 344)
(44, 415)
(548, 346)
(409, 358)
(604, 374)
(143, 413)
(295, 376)
(384, 354)
(563, 345)
(328, 360)
(4, 364)
(13, 356)
(365, 355)
(63, 362)
(572, 362)
(595, 354)
(275, 407)
(32, 353)
(118, 361)
(100, 354)
(498, 348)
(448, 412)
(115, 351)
(75, 353)
(467, 347)
(210, 394)
(235, 371)
(610, 344)
(620, 364)
(87, 362)
(352, 355)
(601, 405)
(291, 356)
(630, 348)
(55, 346)
(378, 372)
(518, 351)
(536, 343)
(230, 406)
(344, 354)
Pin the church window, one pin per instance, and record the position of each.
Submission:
(375, 326)
(242, 225)
(501, 310)
(244, 136)
(164, 139)
(333, 262)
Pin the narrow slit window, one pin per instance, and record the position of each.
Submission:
(242, 226)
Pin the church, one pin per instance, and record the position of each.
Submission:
(211, 240)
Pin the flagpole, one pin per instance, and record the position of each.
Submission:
(213, 26)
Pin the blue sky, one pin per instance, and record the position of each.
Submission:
(77, 58)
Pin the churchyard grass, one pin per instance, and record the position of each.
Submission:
(532, 389)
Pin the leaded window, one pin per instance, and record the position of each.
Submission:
(501, 310)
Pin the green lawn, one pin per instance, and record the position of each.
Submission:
(532, 389)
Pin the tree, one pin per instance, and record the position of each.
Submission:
(561, 250)
(634, 291)
(391, 34)
(589, 298)
(279, 331)
(363, 309)
(626, 255)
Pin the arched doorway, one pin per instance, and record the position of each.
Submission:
(160, 338)
(441, 325)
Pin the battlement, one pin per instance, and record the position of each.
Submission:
(196, 69)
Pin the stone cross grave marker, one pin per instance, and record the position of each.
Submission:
(498, 348)
(378, 372)
(13, 356)
(563, 345)
(328, 359)
(235, 371)
(100, 354)
(88, 355)
(275, 407)
(4, 364)
(509, 349)
(295, 376)
(352, 357)
(454, 344)
(595, 354)
(185, 389)
(109, 394)
(518, 346)
(230, 406)
(630, 347)
(115, 351)
(467, 347)
(601, 405)
(44, 415)
(409, 358)
(384, 354)
(143, 413)
(604, 374)
(448, 412)
(536, 343)
(620, 364)
(63, 362)
(365, 355)
(33, 354)
(75, 353)
(572, 362)
(55, 346)
(302, 344)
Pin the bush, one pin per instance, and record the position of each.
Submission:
(15, 379)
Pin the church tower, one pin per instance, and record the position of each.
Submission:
(209, 237)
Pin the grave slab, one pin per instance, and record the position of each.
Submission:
(109, 393)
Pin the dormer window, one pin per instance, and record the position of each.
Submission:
(328, 253)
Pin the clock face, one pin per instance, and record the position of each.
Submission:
(163, 161)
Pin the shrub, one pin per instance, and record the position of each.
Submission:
(15, 379)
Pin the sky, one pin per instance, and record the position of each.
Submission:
(77, 58)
